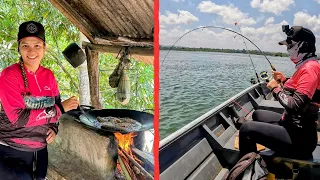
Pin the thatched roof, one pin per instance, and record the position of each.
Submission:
(113, 22)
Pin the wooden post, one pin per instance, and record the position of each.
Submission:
(93, 72)
(84, 93)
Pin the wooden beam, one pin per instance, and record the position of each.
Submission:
(144, 54)
(146, 51)
(101, 39)
(93, 72)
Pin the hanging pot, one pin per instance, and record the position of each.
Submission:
(74, 55)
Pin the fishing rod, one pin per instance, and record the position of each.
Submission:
(249, 54)
(218, 27)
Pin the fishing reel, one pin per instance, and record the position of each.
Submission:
(265, 77)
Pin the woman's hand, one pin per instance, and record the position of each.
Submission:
(278, 76)
(71, 103)
(272, 84)
(51, 136)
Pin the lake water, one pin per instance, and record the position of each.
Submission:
(192, 83)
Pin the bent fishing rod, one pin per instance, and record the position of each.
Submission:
(244, 42)
(218, 27)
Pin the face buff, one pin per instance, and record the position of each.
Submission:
(295, 56)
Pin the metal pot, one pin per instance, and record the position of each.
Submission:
(74, 55)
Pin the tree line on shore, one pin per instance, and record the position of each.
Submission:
(243, 51)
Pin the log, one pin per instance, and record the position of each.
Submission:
(93, 72)
(146, 173)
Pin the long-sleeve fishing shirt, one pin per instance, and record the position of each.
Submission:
(301, 95)
(21, 127)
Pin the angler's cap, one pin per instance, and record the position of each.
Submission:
(31, 28)
(297, 34)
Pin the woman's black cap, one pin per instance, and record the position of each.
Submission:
(31, 28)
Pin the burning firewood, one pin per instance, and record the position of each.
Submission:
(124, 169)
(129, 164)
(137, 165)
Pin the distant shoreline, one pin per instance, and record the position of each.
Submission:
(242, 51)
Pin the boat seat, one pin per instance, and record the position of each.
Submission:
(315, 159)
(271, 105)
(268, 152)
(283, 167)
(198, 163)
(315, 155)
(266, 104)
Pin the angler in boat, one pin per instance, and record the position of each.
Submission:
(208, 148)
(292, 134)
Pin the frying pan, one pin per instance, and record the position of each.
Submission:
(146, 119)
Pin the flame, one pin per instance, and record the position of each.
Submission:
(125, 141)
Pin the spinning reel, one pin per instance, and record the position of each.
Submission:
(265, 77)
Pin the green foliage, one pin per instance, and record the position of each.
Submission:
(60, 32)
(141, 80)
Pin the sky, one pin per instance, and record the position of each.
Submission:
(259, 20)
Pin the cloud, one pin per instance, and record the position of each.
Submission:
(272, 6)
(162, 26)
(318, 1)
(269, 20)
(260, 18)
(184, 17)
(307, 20)
(265, 32)
(229, 14)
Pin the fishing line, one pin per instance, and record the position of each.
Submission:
(254, 68)
(218, 27)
